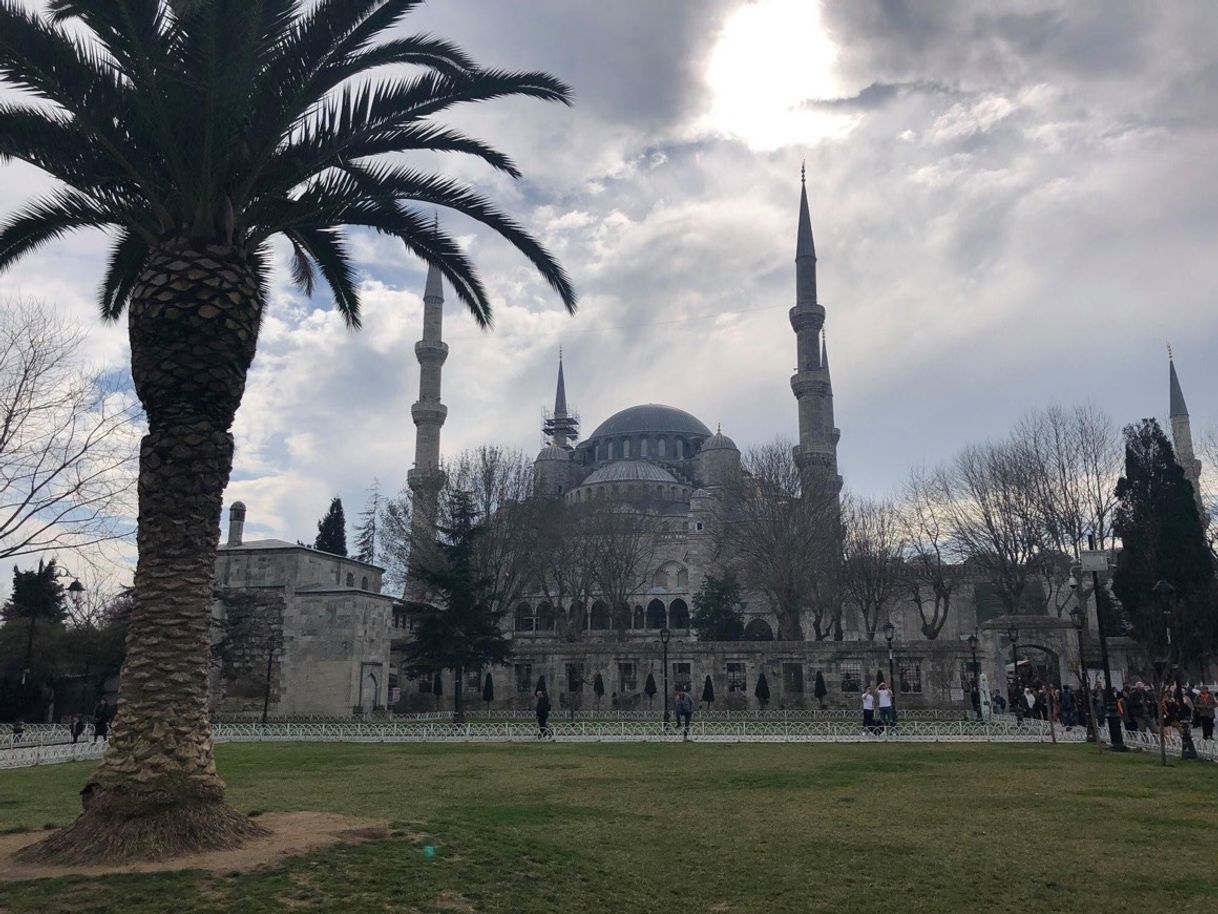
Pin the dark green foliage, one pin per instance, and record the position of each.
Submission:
(437, 685)
(718, 609)
(366, 532)
(598, 686)
(763, 690)
(488, 689)
(36, 594)
(541, 685)
(708, 691)
(463, 631)
(1163, 539)
(649, 688)
(332, 530)
(230, 122)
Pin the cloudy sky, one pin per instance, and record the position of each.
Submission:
(1014, 204)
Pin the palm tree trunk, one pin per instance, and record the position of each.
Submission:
(193, 328)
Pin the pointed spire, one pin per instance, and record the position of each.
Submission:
(435, 284)
(804, 246)
(560, 396)
(1178, 406)
(824, 352)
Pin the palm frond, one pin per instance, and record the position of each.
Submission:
(127, 258)
(326, 248)
(303, 274)
(48, 218)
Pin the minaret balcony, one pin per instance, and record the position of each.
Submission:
(429, 413)
(807, 317)
(428, 479)
(811, 382)
(431, 351)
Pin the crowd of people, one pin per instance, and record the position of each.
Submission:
(102, 715)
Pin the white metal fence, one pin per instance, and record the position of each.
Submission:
(708, 731)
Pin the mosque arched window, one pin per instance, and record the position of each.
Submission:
(678, 614)
(639, 618)
(363, 582)
(661, 578)
(682, 577)
(656, 616)
(600, 616)
(525, 620)
(350, 579)
(662, 444)
(545, 618)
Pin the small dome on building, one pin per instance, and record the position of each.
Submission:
(702, 493)
(553, 452)
(719, 442)
(629, 471)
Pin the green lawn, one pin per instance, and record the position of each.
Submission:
(690, 828)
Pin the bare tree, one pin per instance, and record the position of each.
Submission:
(622, 541)
(68, 443)
(785, 540)
(393, 539)
(993, 513)
(873, 546)
(565, 562)
(933, 569)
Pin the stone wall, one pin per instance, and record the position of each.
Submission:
(248, 632)
(338, 650)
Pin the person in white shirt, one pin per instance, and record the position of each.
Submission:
(885, 696)
(869, 708)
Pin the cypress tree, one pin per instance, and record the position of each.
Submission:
(819, 690)
(649, 688)
(708, 692)
(1163, 539)
(488, 689)
(332, 530)
(366, 532)
(718, 609)
(598, 688)
(541, 685)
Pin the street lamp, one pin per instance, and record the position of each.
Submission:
(890, 632)
(1016, 696)
(1078, 616)
(76, 590)
(1166, 593)
(665, 637)
(976, 689)
(1116, 739)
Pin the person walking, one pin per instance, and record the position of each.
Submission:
(869, 709)
(685, 711)
(884, 694)
(543, 715)
(1205, 705)
(101, 721)
(78, 727)
(18, 730)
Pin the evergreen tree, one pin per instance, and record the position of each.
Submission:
(1162, 539)
(541, 685)
(649, 688)
(488, 689)
(708, 692)
(332, 530)
(819, 690)
(598, 688)
(464, 631)
(763, 690)
(718, 610)
(36, 595)
(366, 532)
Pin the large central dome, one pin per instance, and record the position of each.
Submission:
(650, 419)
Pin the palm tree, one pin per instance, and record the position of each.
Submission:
(194, 132)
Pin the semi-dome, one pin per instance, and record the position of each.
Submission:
(629, 471)
(651, 419)
(554, 452)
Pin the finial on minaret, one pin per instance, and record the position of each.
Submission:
(803, 169)
(718, 428)
(1169, 357)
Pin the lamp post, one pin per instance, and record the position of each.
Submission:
(976, 689)
(1078, 616)
(890, 632)
(1016, 696)
(1166, 593)
(76, 591)
(1116, 740)
(665, 637)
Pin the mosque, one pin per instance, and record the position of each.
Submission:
(335, 639)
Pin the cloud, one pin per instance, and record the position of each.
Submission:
(1012, 205)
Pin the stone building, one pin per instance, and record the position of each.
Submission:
(309, 629)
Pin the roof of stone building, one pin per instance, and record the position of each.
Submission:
(274, 544)
(554, 452)
(629, 471)
(650, 418)
(719, 442)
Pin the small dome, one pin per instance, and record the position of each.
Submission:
(237, 506)
(702, 493)
(719, 442)
(629, 471)
(554, 452)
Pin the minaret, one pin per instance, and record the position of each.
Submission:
(1182, 434)
(561, 426)
(816, 453)
(426, 479)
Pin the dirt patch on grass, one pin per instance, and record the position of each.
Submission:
(291, 833)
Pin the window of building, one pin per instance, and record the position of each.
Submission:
(736, 681)
(473, 681)
(852, 675)
(363, 582)
(525, 620)
(524, 677)
(792, 677)
(910, 674)
(627, 677)
(575, 677)
(682, 676)
(678, 614)
(350, 579)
